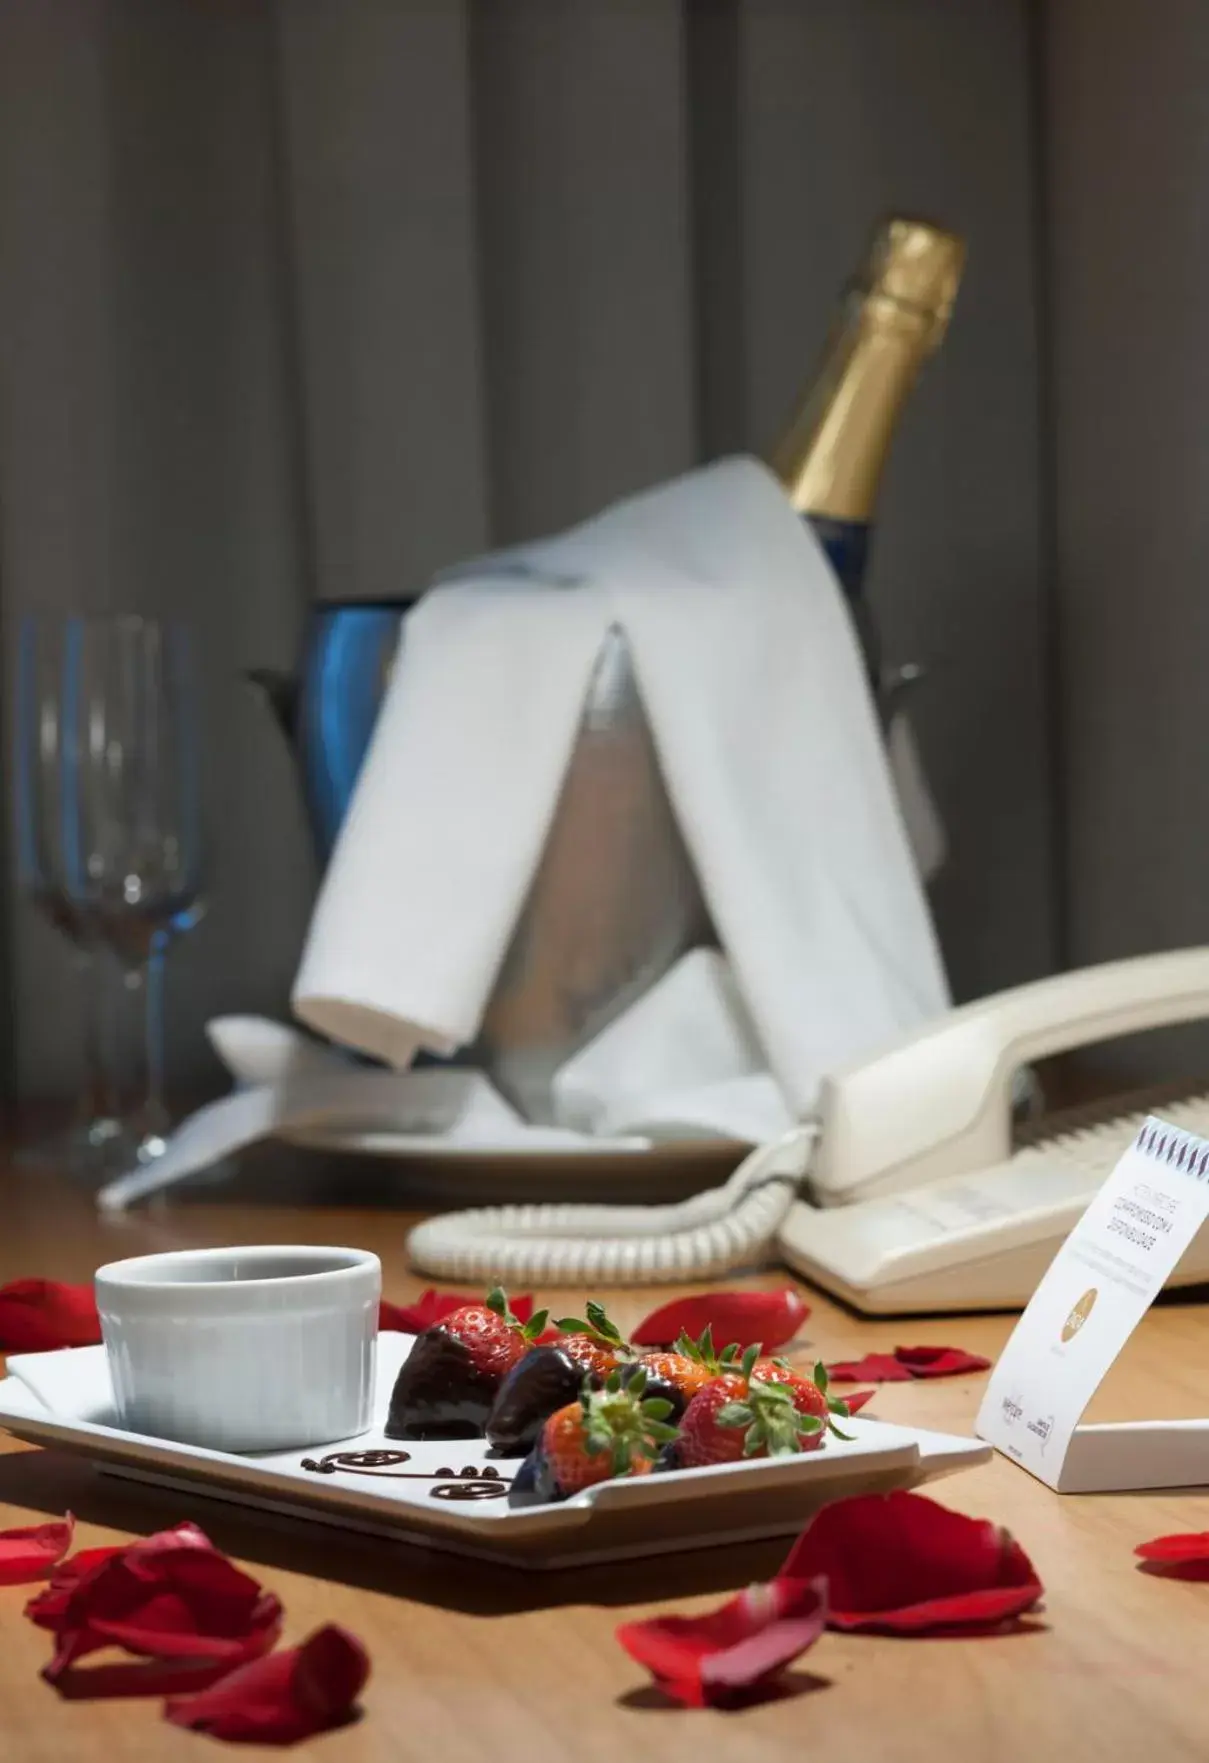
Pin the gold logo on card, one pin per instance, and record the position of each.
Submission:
(1079, 1315)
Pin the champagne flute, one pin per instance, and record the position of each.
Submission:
(89, 1141)
(132, 824)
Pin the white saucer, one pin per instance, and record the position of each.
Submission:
(383, 1143)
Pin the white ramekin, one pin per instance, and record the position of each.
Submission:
(244, 1349)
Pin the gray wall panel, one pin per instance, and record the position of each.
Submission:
(1129, 162)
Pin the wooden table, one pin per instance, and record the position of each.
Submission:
(473, 1663)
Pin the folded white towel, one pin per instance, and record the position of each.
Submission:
(753, 685)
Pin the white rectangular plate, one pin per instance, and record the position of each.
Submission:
(65, 1399)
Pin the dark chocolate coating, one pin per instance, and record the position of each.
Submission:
(545, 1380)
(439, 1393)
(658, 1386)
(525, 1489)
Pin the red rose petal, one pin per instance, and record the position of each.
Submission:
(739, 1648)
(1184, 1555)
(902, 1564)
(749, 1319)
(31, 1553)
(873, 1368)
(283, 1698)
(45, 1607)
(857, 1400)
(171, 1599)
(41, 1315)
(433, 1306)
(940, 1361)
(907, 1363)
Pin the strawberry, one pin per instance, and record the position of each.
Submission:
(740, 1415)
(689, 1366)
(809, 1394)
(595, 1342)
(448, 1382)
(676, 1372)
(702, 1439)
(610, 1432)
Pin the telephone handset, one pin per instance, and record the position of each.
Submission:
(913, 1196)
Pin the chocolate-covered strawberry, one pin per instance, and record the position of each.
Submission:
(449, 1380)
(548, 1378)
(617, 1430)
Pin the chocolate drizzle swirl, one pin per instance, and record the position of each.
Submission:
(467, 1483)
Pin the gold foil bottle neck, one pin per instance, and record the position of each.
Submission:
(916, 266)
(895, 313)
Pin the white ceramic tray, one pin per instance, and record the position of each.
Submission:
(65, 1399)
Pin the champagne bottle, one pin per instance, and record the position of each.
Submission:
(893, 316)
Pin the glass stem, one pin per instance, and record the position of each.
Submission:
(146, 1118)
(153, 1037)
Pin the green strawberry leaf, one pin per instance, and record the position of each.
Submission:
(596, 1325)
(821, 1378)
(777, 1428)
(734, 1414)
(748, 1360)
(600, 1324)
(618, 1420)
(776, 1395)
(535, 1326)
(497, 1302)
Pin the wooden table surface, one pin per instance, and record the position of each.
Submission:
(472, 1663)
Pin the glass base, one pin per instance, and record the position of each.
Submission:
(92, 1150)
(93, 1153)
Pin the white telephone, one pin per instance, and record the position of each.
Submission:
(915, 1198)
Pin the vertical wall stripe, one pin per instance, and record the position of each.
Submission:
(378, 118)
(582, 179)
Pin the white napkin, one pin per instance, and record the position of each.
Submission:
(682, 1063)
(754, 688)
(316, 1097)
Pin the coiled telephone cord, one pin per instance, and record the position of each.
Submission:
(706, 1237)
